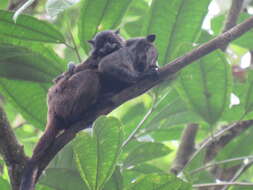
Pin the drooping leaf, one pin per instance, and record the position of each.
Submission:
(99, 15)
(20, 63)
(96, 155)
(54, 62)
(205, 85)
(159, 181)
(28, 28)
(175, 23)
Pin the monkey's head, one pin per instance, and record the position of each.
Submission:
(106, 42)
(144, 51)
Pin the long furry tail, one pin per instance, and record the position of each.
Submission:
(30, 174)
(29, 177)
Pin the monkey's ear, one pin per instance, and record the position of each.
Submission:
(91, 42)
(117, 31)
(151, 38)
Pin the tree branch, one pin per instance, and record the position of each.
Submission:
(11, 151)
(232, 17)
(142, 86)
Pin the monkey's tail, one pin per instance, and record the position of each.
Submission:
(30, 174)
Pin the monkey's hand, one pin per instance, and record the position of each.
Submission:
(152, 72)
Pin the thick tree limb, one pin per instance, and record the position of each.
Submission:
(11, 151)
(186, 148)
(139, 88)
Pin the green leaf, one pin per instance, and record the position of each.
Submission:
(4, 185)
(205, 85)
(56, 63)
(21, 63)
(99, 15)
(28, 28)
(175, 23)
(96, 154)
(145, 152)
(27, 97)
(159, 182)
(67, 178)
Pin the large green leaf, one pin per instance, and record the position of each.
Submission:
(205, 85)
(21, 63)
(99, 15)
(37, 48)
(28, 98)
(96, 154)
(175, 23)
(145, 152)
(28, 28)
(159, 182)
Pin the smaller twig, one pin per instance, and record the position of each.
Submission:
(220, 162)
(222, 184)
(186, 148)
(136, 130)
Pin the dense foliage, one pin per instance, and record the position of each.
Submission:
(213, 92)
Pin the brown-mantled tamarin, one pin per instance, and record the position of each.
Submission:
(72, 96)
